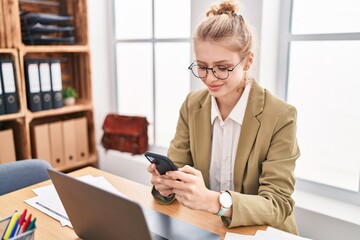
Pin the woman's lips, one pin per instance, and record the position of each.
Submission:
(214, 87)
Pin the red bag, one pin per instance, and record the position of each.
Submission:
(125, 133)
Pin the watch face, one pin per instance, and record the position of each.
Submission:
(225, 200)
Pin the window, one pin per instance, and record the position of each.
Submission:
(152, 55)
(322, 78)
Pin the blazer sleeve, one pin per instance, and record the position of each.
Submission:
(273, 203)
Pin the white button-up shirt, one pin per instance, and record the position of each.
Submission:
(225, 139)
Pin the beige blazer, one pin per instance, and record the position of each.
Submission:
(265, 159)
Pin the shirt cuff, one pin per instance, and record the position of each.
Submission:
(226, 221)
(160, 198)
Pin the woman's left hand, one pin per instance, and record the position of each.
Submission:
(190, 190)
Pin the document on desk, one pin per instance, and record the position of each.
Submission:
(48, 201)
(269, 234)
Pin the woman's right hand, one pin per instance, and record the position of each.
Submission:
(156, 180)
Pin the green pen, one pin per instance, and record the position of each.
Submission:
(32, 225)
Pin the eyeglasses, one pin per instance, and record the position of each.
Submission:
(219, 71)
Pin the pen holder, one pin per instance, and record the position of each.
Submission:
(28, 235)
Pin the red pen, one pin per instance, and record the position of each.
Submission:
(26, 224)
(21, 221)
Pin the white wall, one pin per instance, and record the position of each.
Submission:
(103, 84)
(311, 224)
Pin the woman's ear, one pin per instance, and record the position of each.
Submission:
(248, 61)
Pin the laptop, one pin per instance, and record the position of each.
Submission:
(99, 214)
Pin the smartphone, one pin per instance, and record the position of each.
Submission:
(163, 163)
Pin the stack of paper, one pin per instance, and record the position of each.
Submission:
(48, 201)
(269, 234)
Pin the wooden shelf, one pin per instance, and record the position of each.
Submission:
(75, 71)
(79, 107)
(55, 49)
(12, 116)
(8, 50)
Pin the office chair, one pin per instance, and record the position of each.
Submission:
(22, 173)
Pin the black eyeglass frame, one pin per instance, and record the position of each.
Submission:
(212, 69)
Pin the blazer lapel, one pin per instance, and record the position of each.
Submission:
(248, 134)
(202, 136)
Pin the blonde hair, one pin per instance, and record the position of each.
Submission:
(221, 23)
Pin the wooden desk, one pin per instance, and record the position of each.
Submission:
(49, 228)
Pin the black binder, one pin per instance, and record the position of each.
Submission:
(41, 28)
(33, 91)
(45, 85)
(56, 84)
(2, 102)
(9, 86)
(36, 17)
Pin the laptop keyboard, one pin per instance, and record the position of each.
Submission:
(155, 236)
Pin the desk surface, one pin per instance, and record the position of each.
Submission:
(49, 228)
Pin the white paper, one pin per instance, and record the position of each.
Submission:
(51, 207)
(237, 236)
(48, 201)
(269, 234)
(273, 233)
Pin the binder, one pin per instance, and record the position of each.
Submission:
(45, 85)
(9, 86)
(33, 85)
(56, 84)
(69, 141)
(2, 101)
(7, 153)
(42, 142)
(82, 139)
(56, 144)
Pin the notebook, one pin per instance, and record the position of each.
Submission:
(98, 214)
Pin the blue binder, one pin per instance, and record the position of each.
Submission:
(56, 84)
(9, 86)
(2, 102)
(33, 91)
(45, 85)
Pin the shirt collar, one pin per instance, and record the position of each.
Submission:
(238, 112)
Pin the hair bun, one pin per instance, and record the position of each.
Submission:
(225, 7)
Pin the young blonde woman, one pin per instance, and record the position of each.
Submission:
(235, 143)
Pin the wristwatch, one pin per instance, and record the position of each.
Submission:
(225, 202)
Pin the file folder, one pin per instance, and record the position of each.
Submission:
(82, 139)
(69, 141)
(56, 144)
(41, 28)
(43, 39)
(2, 101)
(33, 85)
(36, 17)
(45, 85)
(56, 84)
(42, 142)
(9, 86)
(7, 153)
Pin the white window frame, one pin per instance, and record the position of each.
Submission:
(153, 41)
(285, 38)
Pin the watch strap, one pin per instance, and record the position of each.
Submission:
(222, 211)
